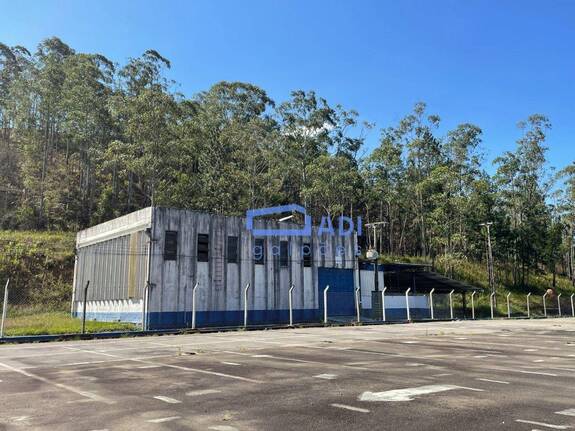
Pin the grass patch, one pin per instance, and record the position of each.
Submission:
(56, 323)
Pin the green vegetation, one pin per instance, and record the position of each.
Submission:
(36, 322)
(83, 140)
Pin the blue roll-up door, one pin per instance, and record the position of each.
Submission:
(340, 300)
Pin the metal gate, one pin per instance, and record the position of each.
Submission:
(340, 300)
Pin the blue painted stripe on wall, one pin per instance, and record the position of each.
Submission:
(169, 320)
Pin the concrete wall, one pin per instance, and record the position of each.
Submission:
(219, 294)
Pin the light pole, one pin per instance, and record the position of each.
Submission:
(373, 255)
(490, 272)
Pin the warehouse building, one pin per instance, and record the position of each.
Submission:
(142, 268)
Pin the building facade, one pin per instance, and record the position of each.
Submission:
(142, 268)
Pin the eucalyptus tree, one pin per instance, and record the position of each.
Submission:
(523, 187)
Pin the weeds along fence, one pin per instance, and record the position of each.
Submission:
(33, 311)
(28, 312)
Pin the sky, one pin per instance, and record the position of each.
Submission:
(488, 62)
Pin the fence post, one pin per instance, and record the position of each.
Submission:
(383, 303)
(84, 307)
(451, 304)
(290, 302)
(559, 304)
(572, 305)
(431, 301)
(473, 304)
(491, 303)
(194, 305)
(407, 303)
(246, 304)
(544, 304)
(5, 306)
(528, 308)
(325, 304)
(357, 310)
(508, 306)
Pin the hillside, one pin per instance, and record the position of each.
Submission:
(41, 266)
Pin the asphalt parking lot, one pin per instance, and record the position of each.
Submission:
(481, 375)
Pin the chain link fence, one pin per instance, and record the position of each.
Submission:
(27, 312)
(34, 311)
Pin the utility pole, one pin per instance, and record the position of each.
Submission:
(373, 254)
(490, 272)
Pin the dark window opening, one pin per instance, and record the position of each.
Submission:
(233, 249)
(307, 254)
(284, 253)
(259, 251)
(203, 247)
(171, 245)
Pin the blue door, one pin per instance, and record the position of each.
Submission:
(340, 300)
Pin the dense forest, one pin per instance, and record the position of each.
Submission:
(83, 140)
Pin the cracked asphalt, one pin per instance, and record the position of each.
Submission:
(472, 375)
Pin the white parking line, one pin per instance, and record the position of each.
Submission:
(223, 428)
(162, 420)
(167, 399)
(202, 392)
(541, 424)
(326, 376)
(494, 381)
(352, 408)
(538, 373)
(85, 394)
(568, 412)
(230, 363)
(177, 367)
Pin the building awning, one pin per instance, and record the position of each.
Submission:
(398, 277)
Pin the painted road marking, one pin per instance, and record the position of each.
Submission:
(202, 392)
(442, 375)
(326, 376)
(85, 394)
(162, 420)
(512, 370)
(541, 424)
(167, 399)
(407, 394)
(230, 363)
(568, 412)
(494, 381)
(352, 408)
(177, 367)
(223, 428)
(539, 360)
(530, 350)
